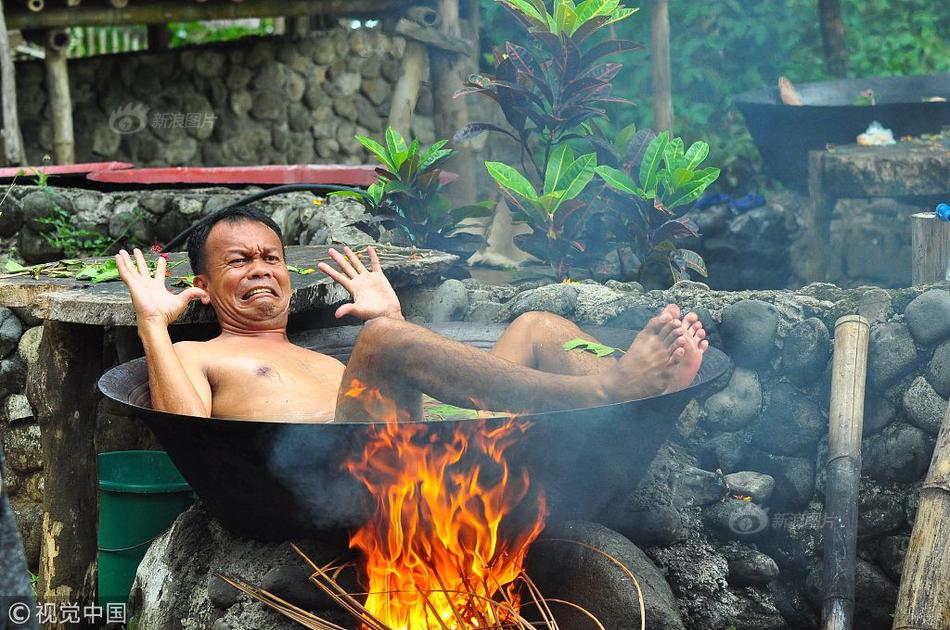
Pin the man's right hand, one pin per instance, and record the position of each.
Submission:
(154, 303)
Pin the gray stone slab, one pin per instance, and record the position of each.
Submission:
(902, 169)
(108, 303)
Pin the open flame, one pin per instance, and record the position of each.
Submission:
(452, 525)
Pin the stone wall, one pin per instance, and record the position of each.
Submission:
(730, 512)
(272, 100)
(142, 218)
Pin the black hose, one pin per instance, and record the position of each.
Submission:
(277, 190)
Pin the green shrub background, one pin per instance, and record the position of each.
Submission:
(719, 49)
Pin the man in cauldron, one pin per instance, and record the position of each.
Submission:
(252, 371)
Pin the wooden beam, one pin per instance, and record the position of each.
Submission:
(164, 11)
(61, 106)
(13, 150)
(923, 600)
(660, 64)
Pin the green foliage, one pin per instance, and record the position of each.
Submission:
(720, 49)
(408, 195)
(190, 33)
(554, 92)
(70, 238)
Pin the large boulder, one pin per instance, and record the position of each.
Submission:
(176, 585)
(749, 330)
(928, 316)
(582, 574)
(891, 354)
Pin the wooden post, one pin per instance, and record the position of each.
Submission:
(406, 89)
(833, 37)
(447, 70)
(57, 84)
(817, 219)
(660, 65)
(923, 600)
(13, 150)
(930, 247)
(62, 391)
(846, 423)
(159, 37)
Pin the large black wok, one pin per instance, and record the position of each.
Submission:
(277, 480)
(784, 134)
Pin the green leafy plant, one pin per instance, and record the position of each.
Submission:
(70, 238)
(408, 196)
(554, 94)
(668, 177)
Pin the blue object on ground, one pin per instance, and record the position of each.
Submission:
(943, 211)
(712, 199)
(751, 200)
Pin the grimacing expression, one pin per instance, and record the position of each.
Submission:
(245, 274)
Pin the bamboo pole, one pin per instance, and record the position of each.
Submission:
(660, 65)
(164, 11)
(406, 89)
(846, 423)
(57, 84)
(13, 149)
(923, 601)
(930, 248)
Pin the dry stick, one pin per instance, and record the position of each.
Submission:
(846, 420)
(923, 601)
(285, 608)
(580, 608)
(539, 600)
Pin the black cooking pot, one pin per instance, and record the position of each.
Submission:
(784, 134)
(279, 480)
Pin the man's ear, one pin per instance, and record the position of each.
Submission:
(202, 283)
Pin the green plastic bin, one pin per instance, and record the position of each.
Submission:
(141, 493)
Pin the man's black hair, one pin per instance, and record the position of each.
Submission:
(199, 235)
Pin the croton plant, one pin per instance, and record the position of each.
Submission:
(586, 190)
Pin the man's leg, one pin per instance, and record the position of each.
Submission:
(536, 340)
(394, 361)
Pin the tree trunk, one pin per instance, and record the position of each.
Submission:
(661, 67)
(62, 391)
(450, 114)
(833, 37)
(923, 601)
(159, 37)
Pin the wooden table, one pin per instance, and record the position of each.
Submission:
(905, 169)
(62, 389)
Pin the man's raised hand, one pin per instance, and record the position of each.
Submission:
(152, 301)
(372, 294)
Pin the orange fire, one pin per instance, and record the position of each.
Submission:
(452, 525)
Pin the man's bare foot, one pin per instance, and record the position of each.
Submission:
(648, 368)
(788, 93)
(664, 357)
(689, 357)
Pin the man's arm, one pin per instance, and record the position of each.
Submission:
(373, 296)
(176, 386)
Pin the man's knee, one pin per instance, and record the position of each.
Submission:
(380, 334)
(538, 320)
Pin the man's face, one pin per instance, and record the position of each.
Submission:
(246, 276)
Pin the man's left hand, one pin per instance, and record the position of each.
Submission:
(373, 296)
